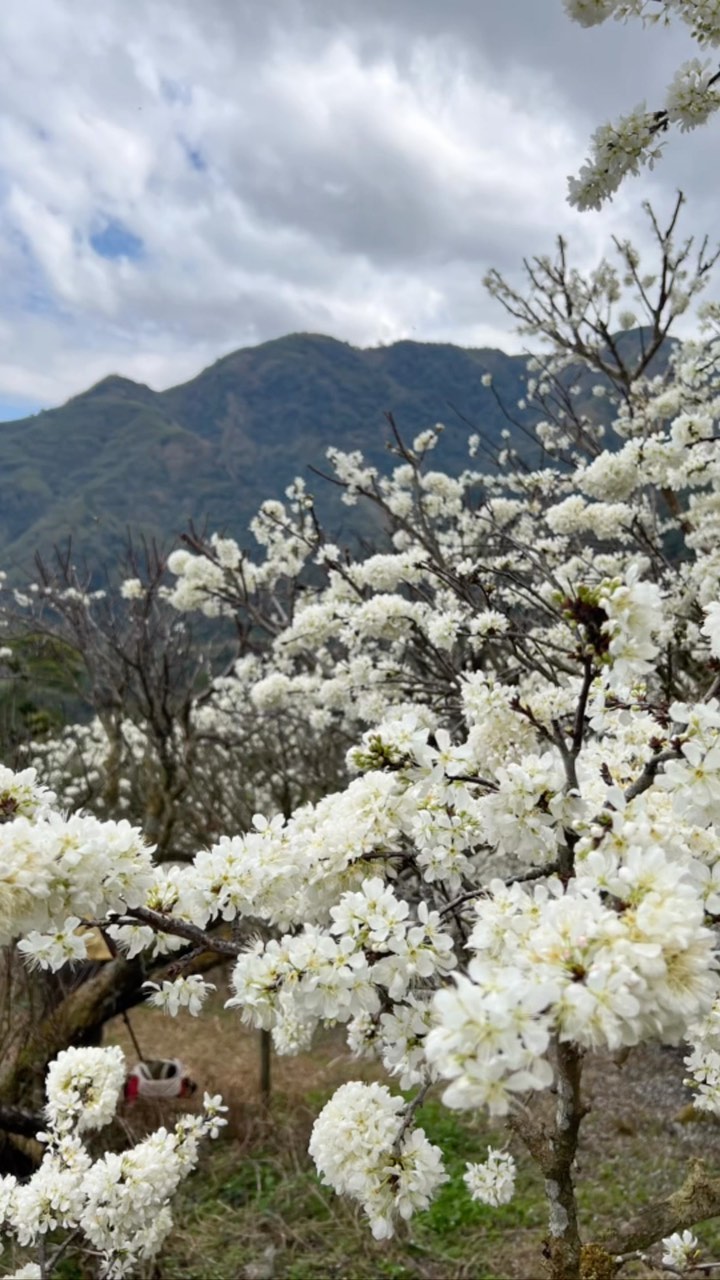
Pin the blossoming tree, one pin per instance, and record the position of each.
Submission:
(171, 743)
(636, 139)
(522, 868)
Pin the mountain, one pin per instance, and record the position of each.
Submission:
(123, 456)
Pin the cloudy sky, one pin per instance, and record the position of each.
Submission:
(178, 179)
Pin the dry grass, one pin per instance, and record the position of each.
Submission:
(223, 1056)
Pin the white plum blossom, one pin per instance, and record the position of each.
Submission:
(361, 1148)
(54, 867)
(693, 94)
(119, 1203)
(635, 139)
(711, 627)
(681, 1250)
(83, 1087)
(492, 1181)
(53, 950)
(180, 993)
(21, 795)
(617, 149)
(634, 617)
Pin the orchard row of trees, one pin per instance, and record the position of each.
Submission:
(475, 774)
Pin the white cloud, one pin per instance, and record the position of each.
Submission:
(286, 166)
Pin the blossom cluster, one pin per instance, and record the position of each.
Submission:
(55, 867)
(361, 1148)
(692, 96)
(371, 953)
(119, 1203)
(618, 956)
(492, 1181)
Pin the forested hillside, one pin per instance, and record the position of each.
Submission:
(120, 455)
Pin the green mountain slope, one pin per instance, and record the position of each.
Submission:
(121, 455)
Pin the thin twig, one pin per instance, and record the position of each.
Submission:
(181, 929)
(413, 1105)
(133, 1037)
(537, 873)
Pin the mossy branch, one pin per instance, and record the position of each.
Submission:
(697, 1199)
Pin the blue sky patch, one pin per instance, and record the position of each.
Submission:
(176, 92)
(116, 241)
(11, 410)
(195, 158)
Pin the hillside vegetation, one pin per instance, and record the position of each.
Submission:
(122, 455)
